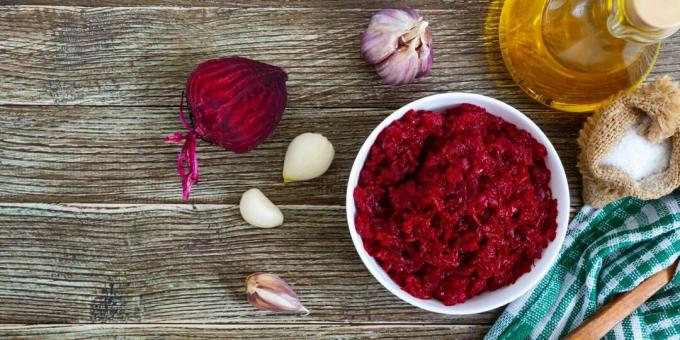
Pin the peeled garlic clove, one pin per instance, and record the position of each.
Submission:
(398, 42)
(272, 293)
(259, 211)
(308, 156)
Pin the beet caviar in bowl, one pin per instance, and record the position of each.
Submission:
(457, 203)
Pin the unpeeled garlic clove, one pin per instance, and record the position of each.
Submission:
(399, 43)
(270, 292)
(308, 156)
(259, 211)
(400, 68)
(425, 53)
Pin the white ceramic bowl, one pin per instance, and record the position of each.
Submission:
(558, 184)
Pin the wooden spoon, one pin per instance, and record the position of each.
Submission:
(600, 323)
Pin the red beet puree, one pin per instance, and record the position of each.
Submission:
(452, 205)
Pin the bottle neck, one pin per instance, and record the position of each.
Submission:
(623, 23)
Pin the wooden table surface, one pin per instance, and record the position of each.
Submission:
(94, 237)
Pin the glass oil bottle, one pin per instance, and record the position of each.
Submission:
(573, 55)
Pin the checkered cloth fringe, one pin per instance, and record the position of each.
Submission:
(606, 252)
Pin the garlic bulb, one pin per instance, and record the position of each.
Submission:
(259, 211)
(270, 292)
(308, 156)
(398, 42)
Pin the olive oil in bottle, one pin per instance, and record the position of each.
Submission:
(574, 55)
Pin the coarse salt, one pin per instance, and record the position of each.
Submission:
(638, 157)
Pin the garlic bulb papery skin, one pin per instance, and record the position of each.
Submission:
(399, 43)
(309, 155)
(270, 292)
(259, 211)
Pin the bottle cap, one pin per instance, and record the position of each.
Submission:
(654, 14)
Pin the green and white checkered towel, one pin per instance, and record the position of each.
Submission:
(606, 252)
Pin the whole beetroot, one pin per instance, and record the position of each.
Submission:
(235, 102)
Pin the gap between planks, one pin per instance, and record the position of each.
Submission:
(75, 206)
(79, 207)
(194, 7)
(253, 331)
(208, 325)
(345, 6)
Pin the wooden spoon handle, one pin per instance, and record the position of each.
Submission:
(600, 323)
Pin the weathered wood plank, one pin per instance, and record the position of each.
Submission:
(322, 4)
(142, 55)
(185, 264)
(284, 331)
(116, 154)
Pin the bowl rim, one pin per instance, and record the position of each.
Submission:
(527, 280)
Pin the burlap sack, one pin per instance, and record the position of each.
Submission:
(602, 184)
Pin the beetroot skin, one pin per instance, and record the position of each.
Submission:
(454, 205)
(235, 103)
